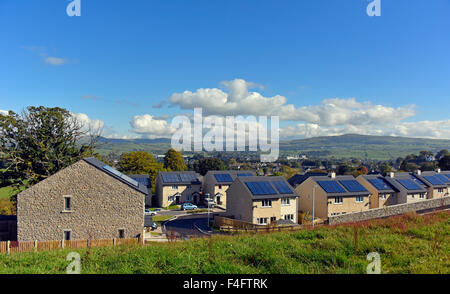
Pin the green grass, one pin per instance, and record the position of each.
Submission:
(158, 219)
(8, 191)
(406, 244)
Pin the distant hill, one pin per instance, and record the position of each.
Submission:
(345, 146)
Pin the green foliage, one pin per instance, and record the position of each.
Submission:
(386, 168)
(444, 162)
(210, 163)
(174, 160)
(39, 143)
(408, 166)
(7, 207)
(407, 244)
(428, 166)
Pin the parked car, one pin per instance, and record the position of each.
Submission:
(149, 212)
(209, 202)
(154, 226)
(188, 206)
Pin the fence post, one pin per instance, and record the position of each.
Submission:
(7, 247)
(62, 243)
(114, 242)
(35, 245)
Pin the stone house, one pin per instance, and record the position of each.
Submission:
(382, 193)
(87, 200)
(262, 200)
(216, 183)
(177, 187)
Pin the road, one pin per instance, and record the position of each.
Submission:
(184, 226)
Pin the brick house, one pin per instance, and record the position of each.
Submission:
(87, 200)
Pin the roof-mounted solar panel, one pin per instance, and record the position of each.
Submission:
(171, 178)
(188, 177)
(352, 186)
(433, 180)
(244, 175)
(282, 187)
(222, 178)
(380, 184)
(442, 178)
(331, 186)
(417, 181)
(120, 175)
(261, 188)
(409, 184)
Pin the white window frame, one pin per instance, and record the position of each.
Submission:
(359, 201)
(286, 201)
(339, 198)
(174, 187)
(383, 196)
(422, 196)
(260, 219)
(269, 202)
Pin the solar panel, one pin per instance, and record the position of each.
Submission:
(442, 178)
(409, 184)
(142, 180)
(282, 187)
(187, 177)
(433, 180)
(261, 188)
(244, 175)
(417, 181)
(223, 178)
(170, 178)
(331, 186)
(353, 186)
(120, 175)
(380, 184)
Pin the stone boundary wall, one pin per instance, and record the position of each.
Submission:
(389, 211)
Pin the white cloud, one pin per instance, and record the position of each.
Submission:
(3, 112)
(55, 60)
(330, 112)
(150, 127)
(87, 123)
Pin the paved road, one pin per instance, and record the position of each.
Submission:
(184, 225)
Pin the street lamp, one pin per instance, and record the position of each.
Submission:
(314, 192)
(207, 201)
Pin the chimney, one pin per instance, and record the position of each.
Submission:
(333, 175)
(391, 174)
(438, 170)
(418, 172)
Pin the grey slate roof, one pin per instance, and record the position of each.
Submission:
(180, 182)
(243, 180)
(298, 179)
(336, 179)
(393, 181)
(232, 173)
(100, 165)
(423, 178)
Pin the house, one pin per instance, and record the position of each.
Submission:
(87, 200)
(146, 181)
(410, 188)
(216, 183)
(177, 188)
(333, 195)
(382, 193)
(435, 183)
(262, 200)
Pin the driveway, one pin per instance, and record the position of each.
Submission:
(185, 226)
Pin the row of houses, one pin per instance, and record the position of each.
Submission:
(91, 200)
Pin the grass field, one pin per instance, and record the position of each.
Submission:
(406, 244)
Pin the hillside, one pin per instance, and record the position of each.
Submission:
(345, 146)
(406, 244)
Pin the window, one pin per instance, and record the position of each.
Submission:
(285, 201)
(262, 220)
(188, 186)
(383, 196)
(289, 217)
(171, 198)
(174, 187)
(273, 219)
(338, 200)
(422, 195)
(267, 203)
(121, 233)
(67, 235)
(67, 203)
(440, 190)
(220, 186)
(359, 199)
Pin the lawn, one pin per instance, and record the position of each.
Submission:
(406, 244)
(158, 219)
(8, 191)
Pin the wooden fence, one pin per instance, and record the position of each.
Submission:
(233, 226)
(29, 246)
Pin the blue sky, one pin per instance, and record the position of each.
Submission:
(324, 66)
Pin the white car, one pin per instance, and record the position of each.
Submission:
(148, 212)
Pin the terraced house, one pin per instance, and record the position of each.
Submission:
(333, 195)
(382, 193)
(216, 184)
(436, 183)
(410, 188)
(87, 200)
(262, 200)
(177, 187)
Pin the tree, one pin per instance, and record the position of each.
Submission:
(174, 161)
(361, 170)
(210, 163)
(442, 153)
(408, 166)
(42, 141)
(140, 162)
(428, 166)
(444, 162)
(386, 168)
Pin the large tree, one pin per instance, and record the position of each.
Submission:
(444, 162)
(140, 162)
(210, 163)
(174, 161)
(41, 141)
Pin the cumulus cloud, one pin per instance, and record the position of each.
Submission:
(3, 112)
(330, 112)
(151, 127)
(88, 124)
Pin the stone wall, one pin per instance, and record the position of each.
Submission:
(390, 210)
(101, 205)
